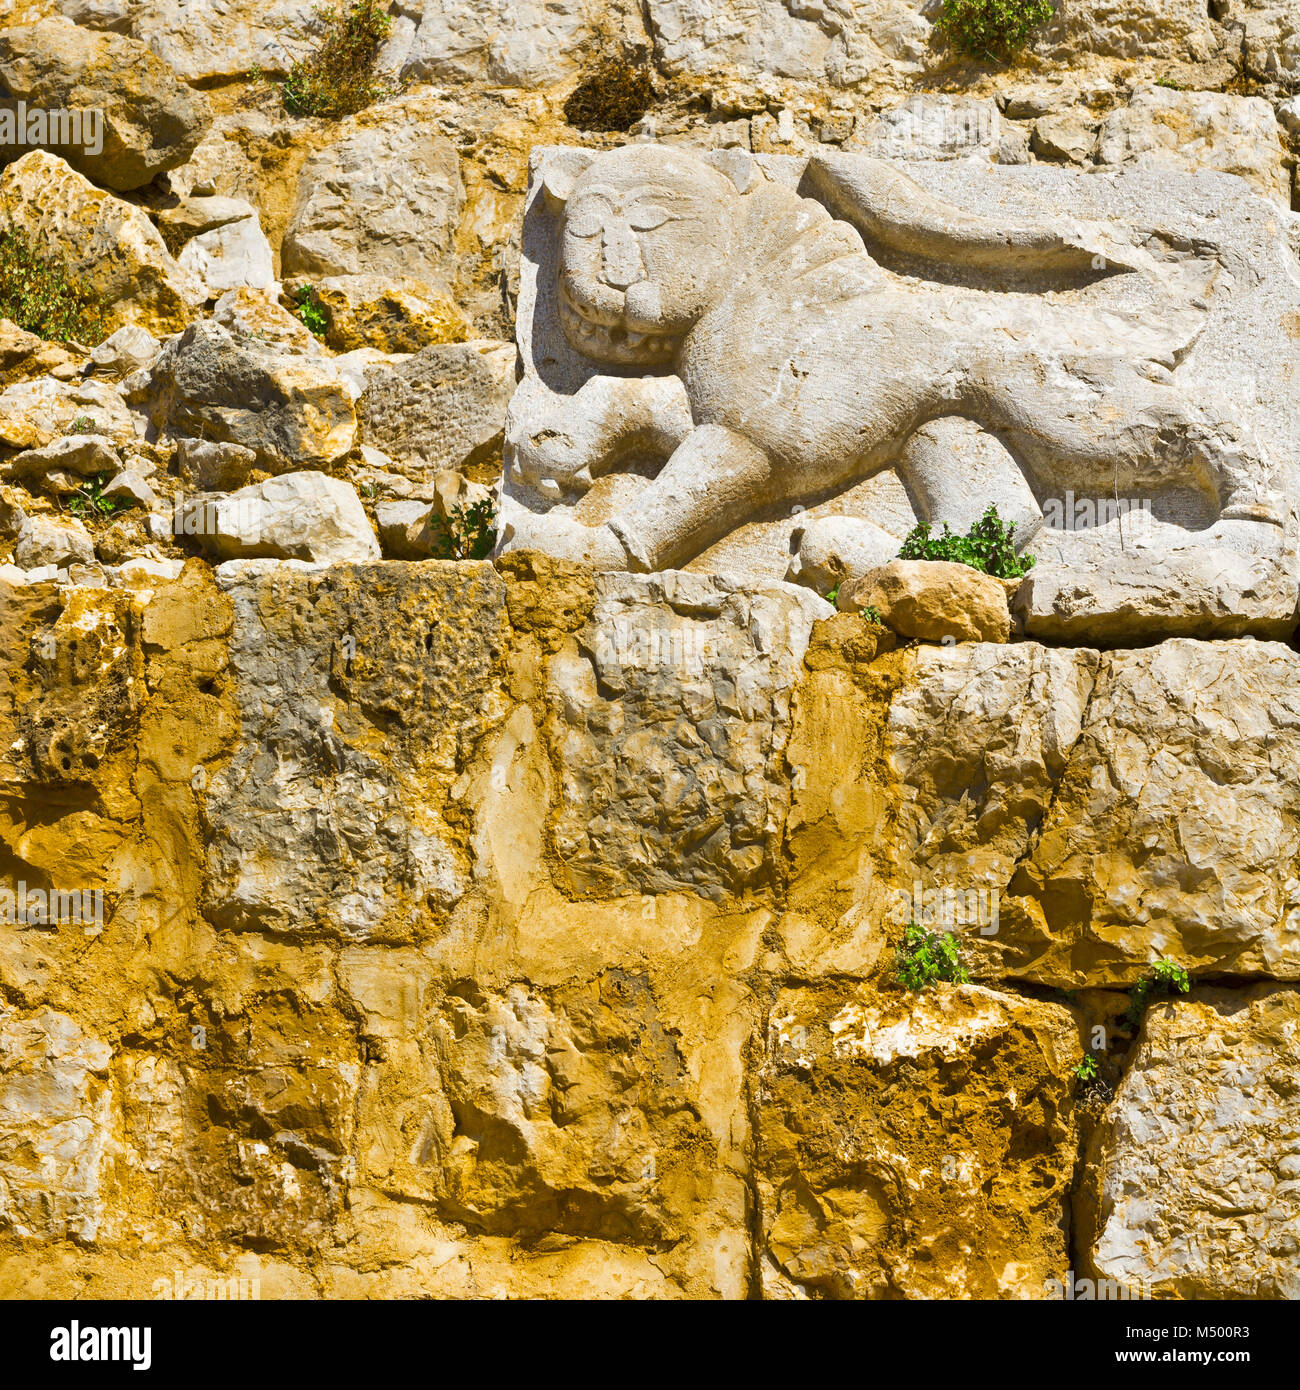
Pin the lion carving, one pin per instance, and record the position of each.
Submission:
(749, 340)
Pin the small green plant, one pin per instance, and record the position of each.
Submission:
(468, 533)
(926, 957)
(89, 499)
(1094, 1093)
(989, 546)
(871, 614)
(992, 29)
(311, 311)
(83, 424)
(38, 294)
(1170, 83)
(1165, 978)
(613, 96)
(341, 77)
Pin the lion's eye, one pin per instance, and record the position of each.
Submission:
(585, 222)
(647, 218)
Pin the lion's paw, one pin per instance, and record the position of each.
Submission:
(553, 533)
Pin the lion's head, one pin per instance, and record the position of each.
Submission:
(647, 233)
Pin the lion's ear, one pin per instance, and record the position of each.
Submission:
(738, 166)
(562, 171)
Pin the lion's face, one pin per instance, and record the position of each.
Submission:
(646, 237)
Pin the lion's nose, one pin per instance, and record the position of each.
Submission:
(623, 264)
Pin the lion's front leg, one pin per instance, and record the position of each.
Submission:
(715, 480)
(558, 445)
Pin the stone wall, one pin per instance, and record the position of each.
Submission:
(378, 926)
(529, 931)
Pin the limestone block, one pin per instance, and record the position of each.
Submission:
(1131, 806)
(1270, 33)
(136, 119)
(384, 200)
(1175, 29)
(934, 600)
(83, 454)
(509, 43)
(858, 41)
(692, 675)
(255, 313)
(37, 414)
(298, 516)
(231, 252)
(123, 352)
(1195, 1171)
(1198, 130)
(56, 1105)
(914, 1146)
(109, 246)
(392, 316)
(442, 407)
(314, 825)
(932, 126)
(49, 540)
(292, 409)
(208, 40)
(844, 45)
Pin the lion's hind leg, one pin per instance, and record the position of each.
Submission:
(1105, 425)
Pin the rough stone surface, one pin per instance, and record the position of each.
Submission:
(204, 40)
(125, 351)
(253, 313)
(228, 249)
(55, 1126)
(442, 407)
(358, 857)
(391, 316)
(34, 414)
(147, 121)
(48, 540)
(1160, 128)
(914, 1148)
(383, 201)
(298, 516)
(1121, 814)
(1270, 31)
(849, 44)
(291, 409)
(934, 600)
(511, 43)
(696, 675)
(111, 247)
(84, 454)
(1197, 1160)
(404, 528)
